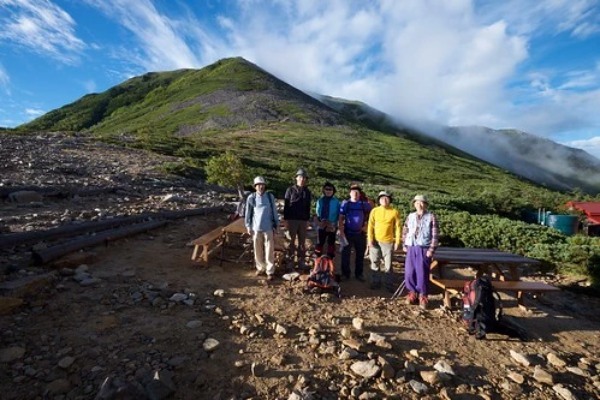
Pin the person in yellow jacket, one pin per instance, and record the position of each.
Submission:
(384, 234)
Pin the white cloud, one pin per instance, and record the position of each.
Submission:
(591, 145)
(4, 79)
(41, 27)
(33, 112)
(162, 46)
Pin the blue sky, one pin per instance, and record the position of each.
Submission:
(532, 65)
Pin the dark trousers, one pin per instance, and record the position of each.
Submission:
(323, 238)
(358, 241)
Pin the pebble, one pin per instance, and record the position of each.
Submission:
(366, 369)
(516, 377)
(564, 392)
(443, 367)
(66, 362)
(194, 324)
(418, 387)
(358, 323)
(520, 358)
(210, 344)
(542, 376)
(555, 360)
(10, 354)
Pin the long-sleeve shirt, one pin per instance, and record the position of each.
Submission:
(297, 203)
(261, 212)
(421, 230)
(384, 225)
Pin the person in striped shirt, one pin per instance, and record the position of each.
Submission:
(420, 237)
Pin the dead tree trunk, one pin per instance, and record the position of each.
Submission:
(51, 253)
(16, 239)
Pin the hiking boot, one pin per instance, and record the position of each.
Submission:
(423, 302)
(258, 272)
(411, 298)
(375, 285)
(360, 278)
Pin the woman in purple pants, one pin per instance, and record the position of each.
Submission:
(419, 238)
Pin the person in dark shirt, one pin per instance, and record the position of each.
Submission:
(296, 214)
(354, 215)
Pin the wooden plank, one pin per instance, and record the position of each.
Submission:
(520, 287)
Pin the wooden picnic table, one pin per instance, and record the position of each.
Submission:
(490, 261)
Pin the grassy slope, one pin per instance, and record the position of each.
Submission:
(149, 111)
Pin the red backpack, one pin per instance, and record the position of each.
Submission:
(322, 276)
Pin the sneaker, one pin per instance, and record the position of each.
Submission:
(423, 302)
(411, 298)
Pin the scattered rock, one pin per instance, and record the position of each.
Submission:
(564, 392)
(358, 323)
(555, 360)
(520, 358)
(11, 354)
(542, 376)
(366, 369)
(210, 344)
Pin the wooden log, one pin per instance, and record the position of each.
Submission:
(16, 239)
(51, 253)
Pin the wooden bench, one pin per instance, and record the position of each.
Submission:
(207, 243)
(520, 287)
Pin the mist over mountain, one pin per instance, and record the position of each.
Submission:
(538, 159)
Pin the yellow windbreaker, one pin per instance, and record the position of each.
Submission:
(384, 225)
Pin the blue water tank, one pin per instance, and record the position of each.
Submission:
(567, 224)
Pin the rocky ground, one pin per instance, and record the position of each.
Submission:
(135, 318)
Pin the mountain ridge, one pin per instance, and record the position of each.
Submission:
(234, 104)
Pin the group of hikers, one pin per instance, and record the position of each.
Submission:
(356, 223)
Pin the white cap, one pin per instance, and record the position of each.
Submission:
(259, 180)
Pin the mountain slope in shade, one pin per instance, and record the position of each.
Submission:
(539, 159)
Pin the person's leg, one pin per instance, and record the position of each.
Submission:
(375, 258)
(293, 230)
(346, 251)
(410, 277)
(387, 250)
(422, 264)
(301, 249)
(330, 240)
(360, 241)
(321, 239)
(269, 252)
(259, 251)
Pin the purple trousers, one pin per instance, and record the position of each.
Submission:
(416, 269)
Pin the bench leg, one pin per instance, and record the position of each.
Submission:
(204, 255)
(447, 302)
(195, 253)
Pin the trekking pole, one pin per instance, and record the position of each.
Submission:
(399, 291)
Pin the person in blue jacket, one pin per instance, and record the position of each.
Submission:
(327, 215)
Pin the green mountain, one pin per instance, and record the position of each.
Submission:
(235, 105)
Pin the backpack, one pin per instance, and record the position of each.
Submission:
(482, 307)
(322, 276)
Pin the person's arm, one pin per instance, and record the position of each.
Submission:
(249, 214)
(371, 229)
(342, 219)
(274, 210)
(404, 234)
(434, 236)
(286, 206)
(397, 231)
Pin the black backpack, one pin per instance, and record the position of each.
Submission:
(482, 307)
